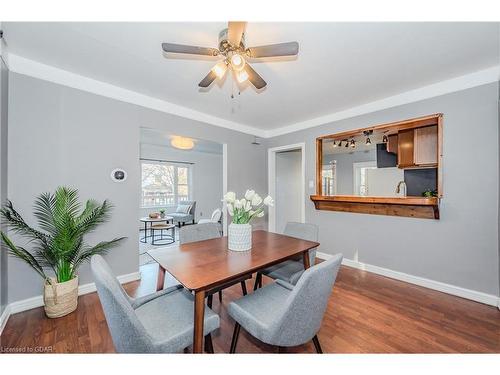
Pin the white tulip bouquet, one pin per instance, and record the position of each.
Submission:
(245, 209)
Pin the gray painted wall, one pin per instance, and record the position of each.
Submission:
(59, 135)
(4, 76)
(460, 249)
(206, 174)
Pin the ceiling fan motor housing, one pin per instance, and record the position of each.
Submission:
(225, 46)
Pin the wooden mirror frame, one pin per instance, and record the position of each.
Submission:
(412, 206)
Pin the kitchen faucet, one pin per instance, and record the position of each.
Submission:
(401, 184)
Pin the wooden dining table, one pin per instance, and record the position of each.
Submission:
(204, 265)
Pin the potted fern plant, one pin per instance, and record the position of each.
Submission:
(58, 244)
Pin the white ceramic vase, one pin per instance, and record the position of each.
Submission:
(240, 237)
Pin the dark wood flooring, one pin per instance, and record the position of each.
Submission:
(366, 313)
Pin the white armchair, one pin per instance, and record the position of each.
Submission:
(215, 218)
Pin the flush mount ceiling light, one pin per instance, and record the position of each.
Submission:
(182, 143)
(234, 52)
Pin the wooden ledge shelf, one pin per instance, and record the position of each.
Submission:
(419, 207)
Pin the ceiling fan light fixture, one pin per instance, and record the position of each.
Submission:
(220, 69)
(237, 62)
(241, 76)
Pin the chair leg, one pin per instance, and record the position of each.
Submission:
(244, 287)
(209, 348)
(220, 296)
(234, 341)
(210, 300)
(317, 345)
(258, 280)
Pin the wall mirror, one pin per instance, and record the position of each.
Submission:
(388, 169)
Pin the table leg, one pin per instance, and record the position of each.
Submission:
(199, 317)
(145, 239)
(161, 278)
(305, 257)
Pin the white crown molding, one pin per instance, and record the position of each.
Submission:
(37, 301)
(464, 82)
(488, 299)
(22, 65)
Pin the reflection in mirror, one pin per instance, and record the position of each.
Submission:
(360, 165)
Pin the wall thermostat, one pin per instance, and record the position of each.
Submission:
(118, 175)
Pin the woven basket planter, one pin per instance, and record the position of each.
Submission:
(60, 298)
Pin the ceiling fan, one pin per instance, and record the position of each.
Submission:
(235, 54)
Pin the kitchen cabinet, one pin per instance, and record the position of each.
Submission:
(418, 147)
(392, 143)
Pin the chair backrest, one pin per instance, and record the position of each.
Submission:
(216, 215)
(127, 332)
(198, 232)
(304, 231)
(193, 206)
(306, 305)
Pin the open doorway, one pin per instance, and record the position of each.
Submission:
(286, 171)
(182, 182)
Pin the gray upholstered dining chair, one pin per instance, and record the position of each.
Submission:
(207, 231)
(290, 270)
(161, 322)
(283, 314)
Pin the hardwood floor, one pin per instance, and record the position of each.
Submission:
(366, 313)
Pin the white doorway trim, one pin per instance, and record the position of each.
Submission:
(271, 178)
(224, 188)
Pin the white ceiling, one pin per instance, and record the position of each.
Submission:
(163, 139)
(340, 65)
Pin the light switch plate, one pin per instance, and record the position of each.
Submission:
(311, 184)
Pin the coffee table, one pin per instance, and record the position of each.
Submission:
(151, 221)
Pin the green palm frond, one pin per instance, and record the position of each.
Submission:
(93, 215)
(101, 248)
(44, 212)
(23, 254)
(17, 224)
(62, 248)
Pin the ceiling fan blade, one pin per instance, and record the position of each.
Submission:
(254, 77)
(192, 50)
(209, 78)
(272, 50)
(236, 30)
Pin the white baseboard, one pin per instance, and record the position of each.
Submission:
(37, 301)
(4, 317)
(473, 295)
